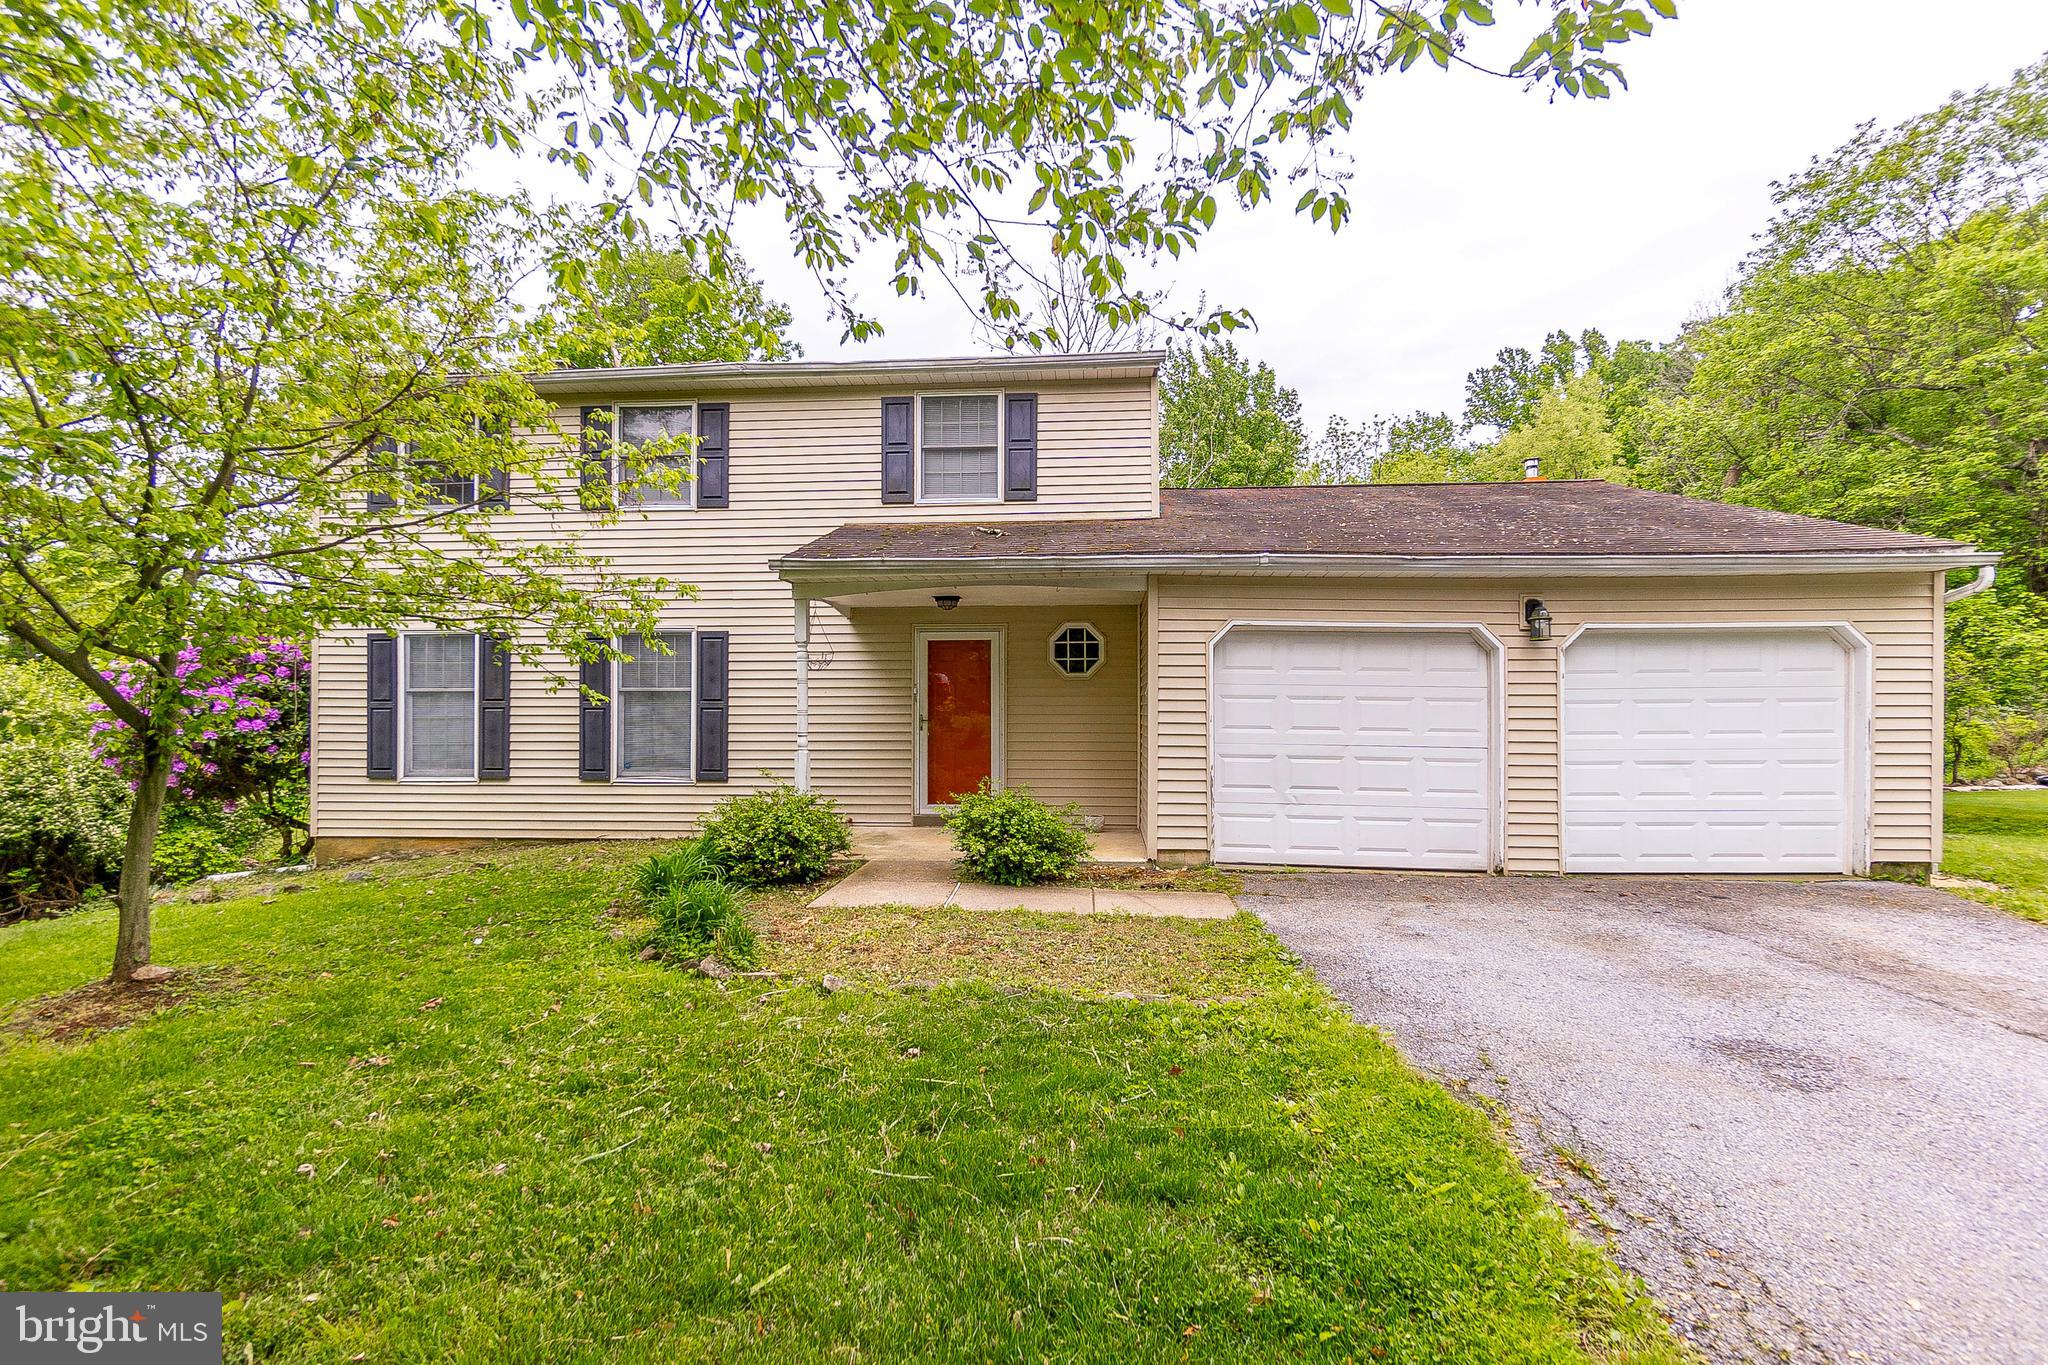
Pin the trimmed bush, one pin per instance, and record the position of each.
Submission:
(774, 837)
(1012, 838)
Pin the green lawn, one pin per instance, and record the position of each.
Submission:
(2000, 837)
(444, 1113)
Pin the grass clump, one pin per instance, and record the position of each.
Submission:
(696, 911)
(775, 837)
(1010, 837)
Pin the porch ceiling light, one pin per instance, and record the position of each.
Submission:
(1537, 617)
(946, 601)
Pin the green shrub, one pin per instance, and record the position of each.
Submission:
(63, 813)
(185, 852)
(777, 836)
(1012, 838)
(703, 917)
(675, 866)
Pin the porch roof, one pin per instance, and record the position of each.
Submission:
(1537, 524)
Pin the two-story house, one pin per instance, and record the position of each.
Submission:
(915, 575)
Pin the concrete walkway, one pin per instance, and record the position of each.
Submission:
(908, 867)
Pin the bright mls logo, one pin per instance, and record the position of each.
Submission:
(164, 1329)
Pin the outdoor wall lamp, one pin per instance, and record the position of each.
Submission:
(946, 601)
(1537, 617)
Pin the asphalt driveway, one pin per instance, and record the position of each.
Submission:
(1813, 1116)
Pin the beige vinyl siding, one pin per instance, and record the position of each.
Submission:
(1898, 612)
(801, 464)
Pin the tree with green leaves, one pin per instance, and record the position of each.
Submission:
(1419, 447)
(652, 304)
(1884, 357)
(264, 363)
(1226, 421)
(264, 370)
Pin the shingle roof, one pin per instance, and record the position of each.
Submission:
(1538, 517)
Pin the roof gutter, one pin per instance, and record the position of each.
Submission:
(756, 374)
(1483, 566)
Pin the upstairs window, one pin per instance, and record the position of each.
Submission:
(959, 448)
(639, 427)
(655, 712)
(440, 706)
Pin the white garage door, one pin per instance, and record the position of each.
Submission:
(1706, 751)
(1353, 748)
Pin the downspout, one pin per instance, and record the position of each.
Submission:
(803, 693)
(1986, 575)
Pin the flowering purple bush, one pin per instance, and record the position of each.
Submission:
(241, 736)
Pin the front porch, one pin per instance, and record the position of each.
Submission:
(912, 693)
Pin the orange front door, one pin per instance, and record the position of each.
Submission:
(959, 699)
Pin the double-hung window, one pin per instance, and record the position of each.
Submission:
(668, 427)
(959, 448)
(440, 707)
(655, 694)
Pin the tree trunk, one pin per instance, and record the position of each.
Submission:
(131, 944)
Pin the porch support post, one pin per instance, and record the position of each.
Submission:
(803, 693)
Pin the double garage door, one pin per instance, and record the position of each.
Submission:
(1679, 750)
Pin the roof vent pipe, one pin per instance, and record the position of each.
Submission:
(1532, 468)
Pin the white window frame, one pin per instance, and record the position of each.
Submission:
(995, 494)
(476, 738)
(405, 451)
(1101, 649)
(618, 703)
(618, 468)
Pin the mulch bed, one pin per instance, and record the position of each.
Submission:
(102, 1005)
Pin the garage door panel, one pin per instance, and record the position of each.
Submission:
(1705, 751)
(1352, 748)
(1440, 776)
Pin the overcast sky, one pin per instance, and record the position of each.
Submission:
(1486, 216)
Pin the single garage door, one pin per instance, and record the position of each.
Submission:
(1706, 751)
(1349, 747)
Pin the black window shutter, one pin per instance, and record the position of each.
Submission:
(714, 702)
(594, 728)
(714, 463)
(383, 458)
(493, 711)
(382, 689)
(1020, 448)
(595, 490)
(897, 460)
(497, 488)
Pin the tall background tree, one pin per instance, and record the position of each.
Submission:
(1226, 420)
(650, 303)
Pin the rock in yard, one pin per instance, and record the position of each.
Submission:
(150, 974)
(714, 969)
(649, 953)
(359, 875)
(832, 985)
